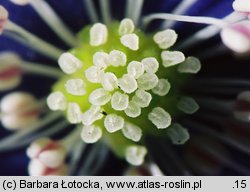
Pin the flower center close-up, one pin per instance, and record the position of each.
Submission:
(155, 89)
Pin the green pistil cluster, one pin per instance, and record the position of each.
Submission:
(122, 84)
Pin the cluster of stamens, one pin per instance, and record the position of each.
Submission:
(118, 88)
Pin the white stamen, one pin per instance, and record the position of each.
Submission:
(147, 81)
(91, 133)
(162, 88)
(69, 63)
(57, 101)
(127, 83)
(133, 110)
(98, 34)
(92, 115)
(4, 14)
(151, 65)
(113, 123)
(165, 39)
(190, 65)
(119, 101)
(99, 97)
(181, 8)
(241, 6)
(130, 41)
(135, 154)
(237, 39)
(25, 37)
(74, 113)
(178, 134)
(75, 87)
(160, 118)
(135, 68)
(100, 59)
(170, 58)
(142, 98)
(188, 105)
(117, 58)
(10, 71)
(20, 2)
(132, 131)
(19, 110)
(109, 81)
(133, 10)
(54, 21)
(91, 11)
(41, 69)
(208, 32)
(105, 11)
(126, 27)
(94, 74)
(193, 19)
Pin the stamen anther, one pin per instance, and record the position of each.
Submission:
(165, 39)
(98, 34)
(135, 68)
(56, 101)
(113, 123)
(69, 63)
(142, 98)
(151, 65)
(133, 110)
(93, 114)
(135, 154)
(188, 105)
(160, 118)
(117, 58)
(99, 97)
(126, 27)
(74, 113)
(171, 58)
(162, 88)
(91, 133)
(94, 74)
(119, 101)
(130, 41)
(132, 131)
(147, 81)
(190, 65)
(100, 59)
(127, 83)
(109, 81)
(75, 87)
(178, 134)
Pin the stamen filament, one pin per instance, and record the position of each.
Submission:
(91, 11)
(71, 139)
(11, 141)
(207, 32)
(27, 38)
(54, 21)
(105, 11)
(133, 10)
(182, 7)
(41, 69)
(193, 19)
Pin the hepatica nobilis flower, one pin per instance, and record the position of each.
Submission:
(127, 81)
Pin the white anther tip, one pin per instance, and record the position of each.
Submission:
(127, 83)
(117, 58)
(69, 63)
(119, 101)
(99, 97)
(171, 58)
(132, 132)
(160, 118)
(130, 41)
(113, 123)
(190, 65)
(241, 5)
(165, 39)
(75, 87)
(126, 27)
(74, 113)
(91, 133)
(57, 101)
(98, 34)
(135, 155)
